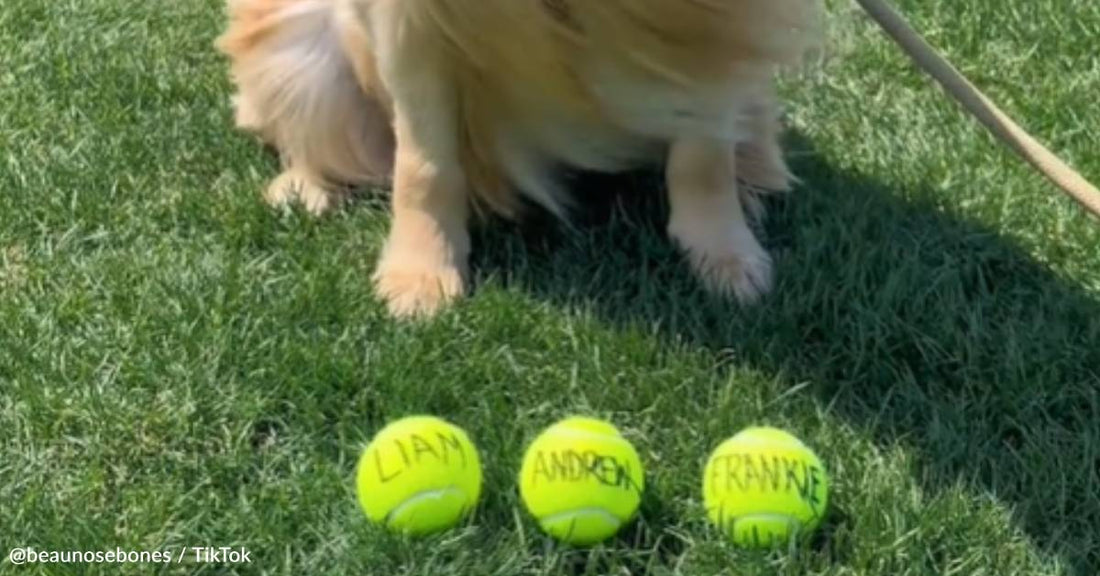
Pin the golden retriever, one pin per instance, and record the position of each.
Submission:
(479, 103)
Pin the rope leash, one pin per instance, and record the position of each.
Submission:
(978, 104)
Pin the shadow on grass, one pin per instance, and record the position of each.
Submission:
(915, 326)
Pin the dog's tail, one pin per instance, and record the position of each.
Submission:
(306, 84)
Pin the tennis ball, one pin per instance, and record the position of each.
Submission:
(419, 475)
(581, 480)
(764, 487)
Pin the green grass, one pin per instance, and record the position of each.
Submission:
(181, 366)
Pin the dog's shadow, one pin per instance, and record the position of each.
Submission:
(917, 327)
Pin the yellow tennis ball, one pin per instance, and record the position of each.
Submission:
(419, 475)
(763, 487)
(581, 480)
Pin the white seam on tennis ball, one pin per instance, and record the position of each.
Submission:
(765, 516)
(421, 497)
(578, 511)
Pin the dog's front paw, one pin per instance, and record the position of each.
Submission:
(739, 266)
(415, 287)
(292, 186)
(747, 276)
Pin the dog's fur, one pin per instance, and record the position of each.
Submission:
(477, 102)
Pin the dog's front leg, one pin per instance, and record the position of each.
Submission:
(708, 220)
(424, 263)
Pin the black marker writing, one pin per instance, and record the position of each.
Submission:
(575, 466)
(767, 473)
(415, 448)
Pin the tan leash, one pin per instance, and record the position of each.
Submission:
(982, 107)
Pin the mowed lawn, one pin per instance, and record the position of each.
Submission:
(182, 366)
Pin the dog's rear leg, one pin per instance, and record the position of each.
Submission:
(761, 167)
(708, 220)
(312, 192)
(303, 71)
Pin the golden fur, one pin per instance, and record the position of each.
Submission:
(477, 102)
